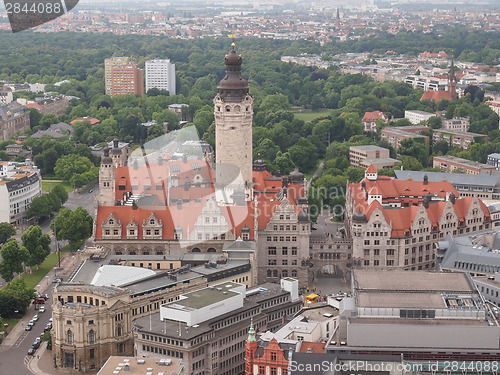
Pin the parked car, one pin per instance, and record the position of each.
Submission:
(31, 323)
(35, 318)
(57, 280)
(41, 309)
(31, 351)
(36, 345)
(50, 320)
(40, 300)
(28, 328)
(44, 296)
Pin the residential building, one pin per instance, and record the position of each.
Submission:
(55, 105)
(108, 65)
(364, 156)
(427, 83)
(178, 110)
(394, 135)
(450, 164)
(14, 150)
(394, 223)
(417, 316)
(14, 118)
(485, 187)
(370, 118)
(416, 116)
(460, 124)
(20, 183)
(478, 254)
(55, 131)
(451, 90)
(138, 366)
(160, 74)
(6, 96)
(458, 138)
(208, 328)
(91, 120)
(127, 79)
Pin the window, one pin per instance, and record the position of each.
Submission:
(271, 251)
(273, 356)
(91, 354)
(91, 336)
(69, 336)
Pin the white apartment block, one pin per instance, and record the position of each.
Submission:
(416, 116)
(20, 183)
(160, 74)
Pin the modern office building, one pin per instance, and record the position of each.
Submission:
(416, 116)
(160, 74)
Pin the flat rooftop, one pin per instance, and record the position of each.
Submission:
(401, 300)
(405, 281)
(140, 366)
(204, 297)
(432, 322)
(368, 148)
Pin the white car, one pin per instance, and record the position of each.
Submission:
(41, 309)
(35, 318)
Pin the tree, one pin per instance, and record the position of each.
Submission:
(4, 156)
(39, 207)
(6, 231)
(434, 122)
(37, 244)
(304, 154)
(35, 117)
(411, 147)
(61, 192)
(74, 226)
(13, 257)
(15, 298)
(274, 103)
(72, 164)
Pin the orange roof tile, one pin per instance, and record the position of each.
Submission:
(436, 95)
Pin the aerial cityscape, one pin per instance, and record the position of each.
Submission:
(262, 187)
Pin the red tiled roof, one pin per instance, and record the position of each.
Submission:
(92, 120)
(372, 116)
(371, 169)
(436, 95)
(313, 347)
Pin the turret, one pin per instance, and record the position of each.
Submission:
(106, 195)
(251, 349)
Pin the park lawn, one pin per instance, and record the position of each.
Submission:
(48, 185)
(11, 322)
(311, 115)
(33, 279)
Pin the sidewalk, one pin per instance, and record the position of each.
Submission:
(68, 263)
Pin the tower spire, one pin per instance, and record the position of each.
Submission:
(452, 81)
(251, 332)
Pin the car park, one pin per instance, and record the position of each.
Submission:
(31, 351)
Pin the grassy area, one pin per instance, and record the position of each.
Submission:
(33, 279)
(48, 185)
(11, 322)
(309, 115)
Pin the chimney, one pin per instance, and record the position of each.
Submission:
(452, 198)
(363, 184)
(160, 161)
(115, 143)
(426, 201)
(426, 179)
(184, 159)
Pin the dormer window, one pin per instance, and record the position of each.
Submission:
(152, 221)
(111, 221)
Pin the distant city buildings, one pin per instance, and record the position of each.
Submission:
(160, 74)
(20, 183)
(458, 124)
(395, 135)
(55, 105)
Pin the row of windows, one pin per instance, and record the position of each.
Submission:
(284, 251)
(285, 227)
(282, 238)
(162, 339)
(155, 349)
(284, 273)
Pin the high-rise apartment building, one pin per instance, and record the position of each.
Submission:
(108, 64)
(160, 74)
(127, 79)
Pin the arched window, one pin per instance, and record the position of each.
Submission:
(91, 336)
(275, 273)
(70, 336)
(269, 273)
(294, 273)
(284, 273)
(211, 250)
(196, 250)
